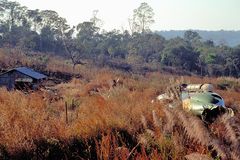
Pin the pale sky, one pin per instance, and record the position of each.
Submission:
(169, 14)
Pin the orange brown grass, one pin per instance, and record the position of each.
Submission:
(119, 122)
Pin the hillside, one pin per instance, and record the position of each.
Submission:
(100, 100)
(112, 123)
(93, 117)
(231, 38)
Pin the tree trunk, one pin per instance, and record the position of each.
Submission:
(74, 66)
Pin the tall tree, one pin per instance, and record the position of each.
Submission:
(2, 2)
(14, 13)
(97, 22)
(142, 18)
(47, 39)
(87, 37)
(35, 19)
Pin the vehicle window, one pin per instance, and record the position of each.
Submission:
(214, 101)
(217, 96)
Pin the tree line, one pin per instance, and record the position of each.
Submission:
(45, 31)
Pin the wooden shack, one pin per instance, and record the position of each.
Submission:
(21, 78)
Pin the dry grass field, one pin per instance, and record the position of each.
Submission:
(113, 122)
(109, 114)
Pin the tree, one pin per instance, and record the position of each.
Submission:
(191, 36)
(87, 37)
(35, 19)
(14, 13)
(95, 20)
(148, 46)
(142, 18)
(47, 40)
(2, 10)
(201, 64)
(74, 51)
(49, 18)
(178, 53)
(232, 62)
(52, 29)
(209, 43)
(87, 30)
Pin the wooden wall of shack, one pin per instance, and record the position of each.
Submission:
(10, 79)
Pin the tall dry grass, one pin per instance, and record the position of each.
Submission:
(108, 121)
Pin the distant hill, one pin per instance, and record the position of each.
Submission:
(231, 38)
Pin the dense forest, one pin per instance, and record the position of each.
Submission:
(44, 31)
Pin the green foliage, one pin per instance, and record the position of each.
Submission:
(210, 58)
(191, 36)
(179, 54)
(46, 31)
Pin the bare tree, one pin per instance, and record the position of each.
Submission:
(73, 49)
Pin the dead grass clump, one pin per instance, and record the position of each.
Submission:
(24, 119)
(227, 130)
(228, 83)
(197, 156)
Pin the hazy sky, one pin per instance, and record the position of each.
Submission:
(169, 14)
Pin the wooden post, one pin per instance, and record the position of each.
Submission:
(66, 111)
(72, 105)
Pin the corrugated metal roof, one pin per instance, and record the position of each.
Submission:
(31, 73)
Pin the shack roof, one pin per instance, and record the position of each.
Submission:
(29, 72)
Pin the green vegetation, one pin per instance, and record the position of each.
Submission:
(45, 31)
